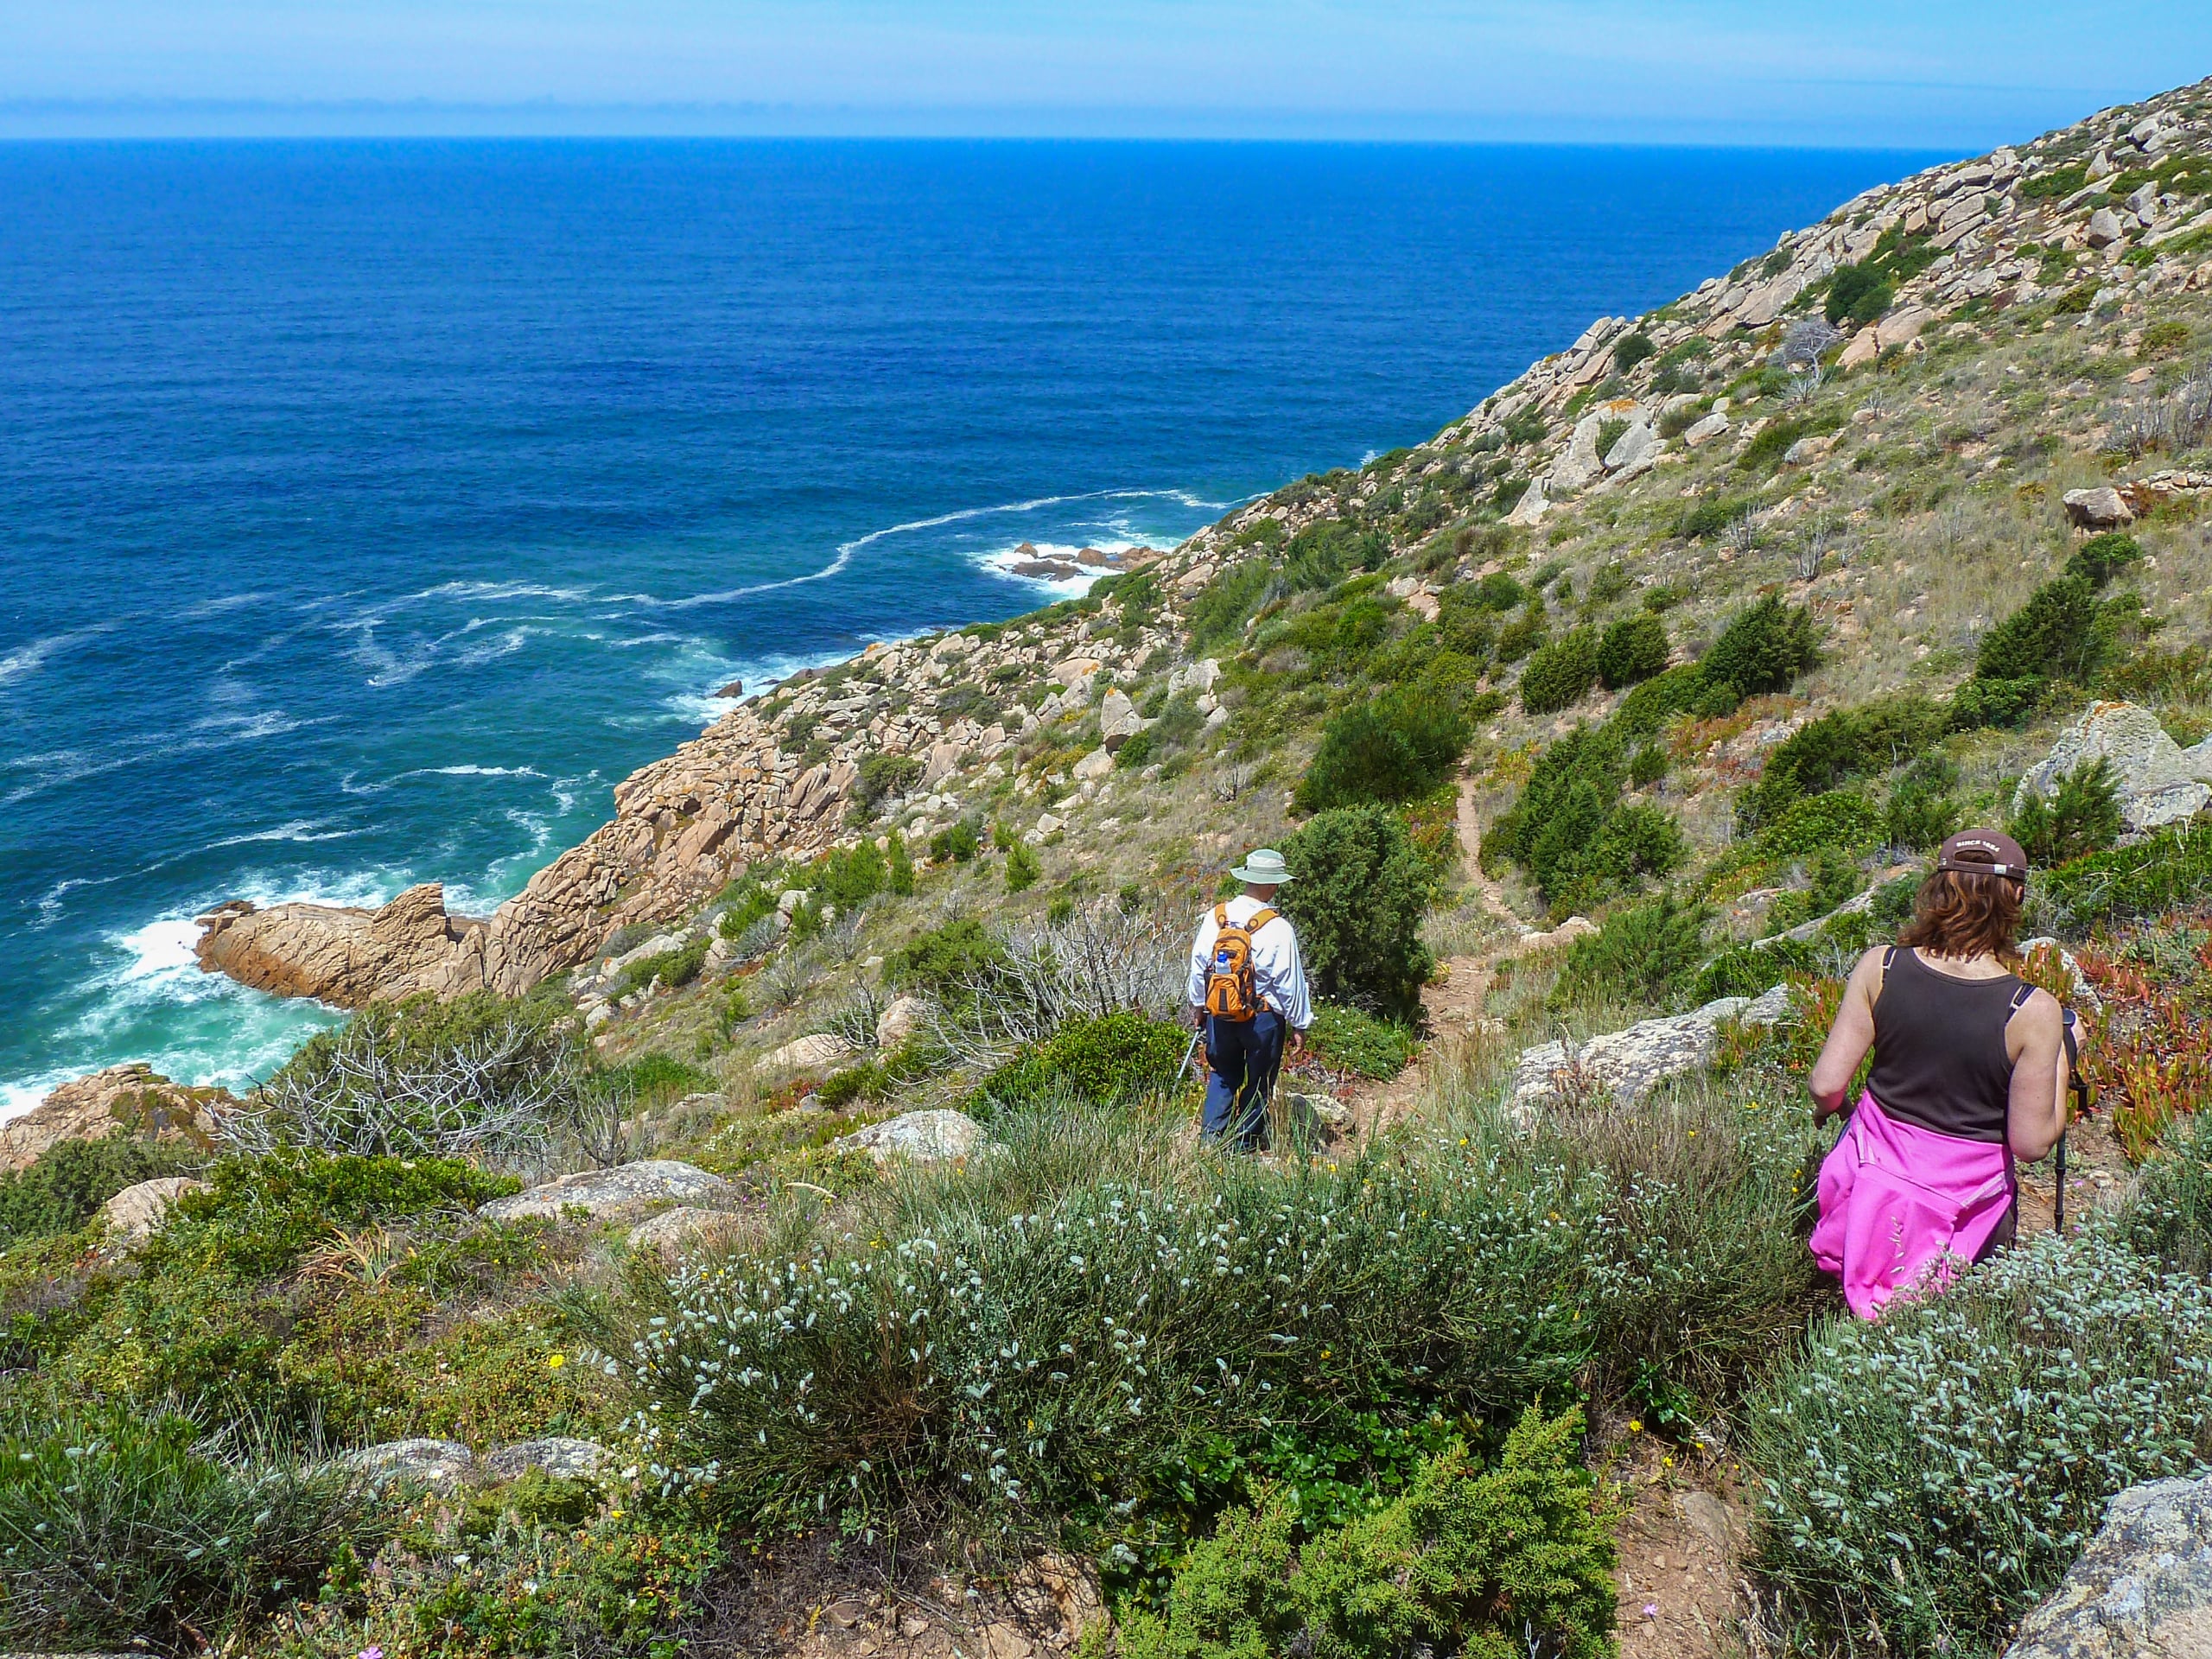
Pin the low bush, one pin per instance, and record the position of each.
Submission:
(258, 1216)
(1395, 747)
(1362, 890)
(672, 969)
(2081, 817)
(2166, 870)
(1677, 692)
(1921, 812)
(1646, 954)
(2172, 1218)
(64, 1186)
(1218, 615)
(1560, 674)
(1108, 1061)
(1633, 651)
(1842, 821)
(957, 843)
(1024, 869)
(1632, 349)
(1858, 294)
(116, 1531)
(1764, 647)
(1931, 1476)
(1488, 1564)
(884, 776)
(1099, 1329)
(1573, 833)
(946, 961)
(1839, 748)
(1354, 1041)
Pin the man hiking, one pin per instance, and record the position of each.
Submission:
(1247, 991)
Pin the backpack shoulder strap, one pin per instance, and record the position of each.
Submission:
(1260, 920)
(2020, 997)
(1221, 916)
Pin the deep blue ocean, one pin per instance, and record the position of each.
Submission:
(368, 510)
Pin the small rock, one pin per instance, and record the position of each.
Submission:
(558, 1455)
(1004, 1641)
(137, 1212)
(1865, 345)
(1707, 1517)
(1099, 762)
(2104, 228)
(1634, 451)
(847, 1613)
(611, 1194)
(1902, 326)
(420, 1462)
(1705, 430)
(919, 1137)
(735, 689)
(1050, 824)
(805, 1054)
(2102, 508)
(2141, 1590)
(1118, 721)
(900, 1021)
(666, 1234)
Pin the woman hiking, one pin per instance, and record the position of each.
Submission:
(1970, 1071)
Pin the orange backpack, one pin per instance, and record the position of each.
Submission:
(1231, 994)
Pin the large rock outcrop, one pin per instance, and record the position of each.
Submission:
(2141, 1590)
(2160, 782)
(132, 1099)
(1626, 1064)
(616, 1194)
(344, 956)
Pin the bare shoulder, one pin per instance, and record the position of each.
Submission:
(2041, 1011)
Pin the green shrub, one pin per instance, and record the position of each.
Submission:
(2165, 339)
(1106, 1061)
(1023, 868)
(1858, 294)
(1218, 615)
(1560, 674)
(1395, 747)
(753, 904)
(1496, 592)
(1632, 349)
(943, 961)
(1633, 649)
(1921, 812)
(1707, 516)
(2060, 633)
(1362, 890)
(2166, 870)
(1842, 819)
(2172, 1218)
(1647, 766)
(1933, 1475)
(2081, 818)
(849, 877)
(1764, 647)
(64, 1186)
(957, 843)
(1573, 833)
(1651, 705)
(1486, 1564)
(115, 1531)
(259, 1215)
(898, 865)
(1466, 624)
(1353, 1041)
(884, 776)
(673, 968)
(1979, 703)
(1645, 955)
(1839, 749)
(653, 1078)
(2102, 557)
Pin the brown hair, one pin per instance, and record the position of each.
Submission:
(1960, 915)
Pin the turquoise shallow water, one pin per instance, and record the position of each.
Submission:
(368, 510)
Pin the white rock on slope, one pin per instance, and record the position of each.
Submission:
(137, 1213)
(918, 1137)
(2141, 1590)
(1627, 1064)
(2160, 782)
(612, 1194)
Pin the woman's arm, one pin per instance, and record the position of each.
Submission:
(1849, 1039)
(2035, 1114)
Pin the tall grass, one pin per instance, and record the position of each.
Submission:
(1100, 1321)
(116, 1530)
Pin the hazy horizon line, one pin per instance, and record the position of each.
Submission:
(185, 118)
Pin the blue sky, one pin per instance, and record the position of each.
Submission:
(1956, 73)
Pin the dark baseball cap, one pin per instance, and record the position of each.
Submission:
(1984, 852)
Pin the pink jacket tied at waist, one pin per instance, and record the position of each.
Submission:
(1900, 1204)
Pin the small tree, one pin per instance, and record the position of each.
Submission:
(2081, 816)
(1361, 891)
(1395, 747)
(1763, 648)
(1633, 649)
(1560, 674)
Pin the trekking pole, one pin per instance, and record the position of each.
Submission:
(1187, 1054)
(2059, 1209)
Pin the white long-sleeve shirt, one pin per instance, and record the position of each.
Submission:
(1278, 975)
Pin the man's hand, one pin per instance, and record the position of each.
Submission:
(1198, 1019)
(1297, 1043)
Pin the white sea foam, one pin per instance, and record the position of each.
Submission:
(299, 829)
(1001, 562)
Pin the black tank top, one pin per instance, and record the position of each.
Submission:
(1939, 1048)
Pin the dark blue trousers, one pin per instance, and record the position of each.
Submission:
(1243, 1058)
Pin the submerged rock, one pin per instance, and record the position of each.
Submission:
(2141, 1590)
